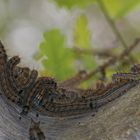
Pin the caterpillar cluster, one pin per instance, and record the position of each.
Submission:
(44, 96)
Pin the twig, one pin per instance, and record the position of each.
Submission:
(111, 23)
(105, 53)
(75, 80)
(113, 26)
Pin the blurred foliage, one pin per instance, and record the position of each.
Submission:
(116, 8)
(119, 8)
(71, 3)
(82, 33)
(56, 57)
(82, 39)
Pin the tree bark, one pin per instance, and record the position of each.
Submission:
(118, 120)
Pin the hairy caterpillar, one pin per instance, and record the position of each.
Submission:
(35, 133)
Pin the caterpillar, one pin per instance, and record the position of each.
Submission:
(135, 68)
(10, 73)
(126, 76)
(21, 76)
(7, 86)
(134, 74)
(7, 90)
(3, 56)
(35, 133)
(37, 93)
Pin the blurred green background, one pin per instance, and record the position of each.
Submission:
(62, 37)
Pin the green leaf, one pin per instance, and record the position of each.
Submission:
(71, 3)
(87, 61)
(119, 8)
(82, 35)
(56, 58)
(82, 39)
(90, 82)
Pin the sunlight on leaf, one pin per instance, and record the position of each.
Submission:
(137, 55)
(56, 58)
(82, 35)
(90, 83)
(88, 61)
(71, 3)
(119, 8)
(109, 72)
(82, 39)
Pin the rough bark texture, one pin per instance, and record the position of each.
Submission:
(118, 120)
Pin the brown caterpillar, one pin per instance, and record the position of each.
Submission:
(135, 68)
(10, 72)
(10, 65)
(8, 91)
(3, 56)
(7, 86)
(35, 133)
(21, 76)
(134, 74)
(126, 76)
(37, 93)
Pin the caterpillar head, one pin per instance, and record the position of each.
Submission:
(135, 68)
(25, 110)
(48, 82)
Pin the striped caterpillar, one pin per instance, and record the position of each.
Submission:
(10, 71)
(11, 75)
(126, 76)
(6, 84)
(134, 74)
(37, 93)
(135, 68)
(35, 133)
